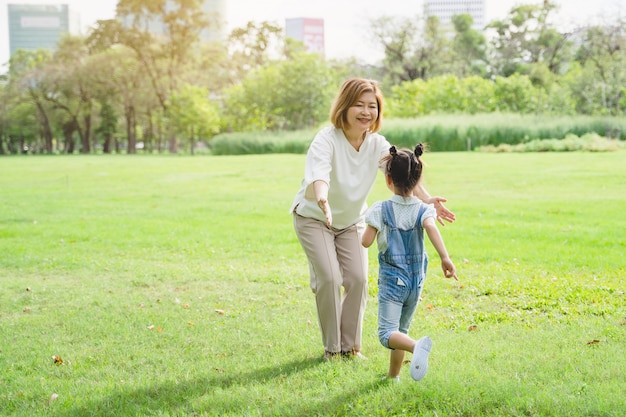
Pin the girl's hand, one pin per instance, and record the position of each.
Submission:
(442, 212)
(449, 270)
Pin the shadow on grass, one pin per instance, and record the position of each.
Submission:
(178, 398)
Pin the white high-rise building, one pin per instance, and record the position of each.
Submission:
(445, 9)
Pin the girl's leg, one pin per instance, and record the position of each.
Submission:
(317, 240)
(352, 257)
(401, 343)
(396, 357)
(400, 340)
(390, 309)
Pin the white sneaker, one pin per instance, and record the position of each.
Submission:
(419, 362)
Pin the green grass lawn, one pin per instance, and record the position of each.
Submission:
(175, 286)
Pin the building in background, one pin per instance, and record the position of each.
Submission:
(34, 26)
(445, 9)
(215, 11)
(309, 31)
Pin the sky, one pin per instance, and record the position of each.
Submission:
(345, 21)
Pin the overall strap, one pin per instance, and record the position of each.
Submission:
(388, 217)
(420, 213)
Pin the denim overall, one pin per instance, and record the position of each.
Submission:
(402, 269)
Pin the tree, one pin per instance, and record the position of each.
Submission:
(515, 94)
(601, 85)
(193, 115)
(108, 125)
(442, 94)
(286, 95)
(163, 57)
(469, 47)
(4, 110)
(68, 75)
(411, 50)
(29, 90)
(527, 36)
(254, 46)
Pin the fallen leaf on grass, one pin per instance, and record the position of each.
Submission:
(472, 328)
(26, 309)
(185, 305)
(429, 306)
(57, 359)
(220, 312)
(52, 398)
(593, 342)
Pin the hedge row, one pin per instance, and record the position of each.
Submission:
(441, 133)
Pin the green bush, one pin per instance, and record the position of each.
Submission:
(262, 142)
(440, 132)
(591, 142)
(467, 132)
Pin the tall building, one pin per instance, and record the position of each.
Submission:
(34, 26)
(215, 11)
(445, 9)
(307, 30)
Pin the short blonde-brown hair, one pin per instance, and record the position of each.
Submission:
(349, 93)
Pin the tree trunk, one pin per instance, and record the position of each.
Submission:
(173, 144)
(2, 151)
(68, 134)
(130, 130)
(106, 147)
(45, 126)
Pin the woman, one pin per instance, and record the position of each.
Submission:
(340, 171)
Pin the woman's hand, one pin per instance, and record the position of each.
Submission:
(322, 203)
(442, 212)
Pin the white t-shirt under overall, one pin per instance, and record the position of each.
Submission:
(349, 173)
(405, 211)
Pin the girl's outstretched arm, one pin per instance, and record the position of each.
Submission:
(449, 270)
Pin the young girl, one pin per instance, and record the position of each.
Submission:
(399, 224)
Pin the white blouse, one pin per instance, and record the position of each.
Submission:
(349, 173)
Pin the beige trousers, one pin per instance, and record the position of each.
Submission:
(336, 259)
